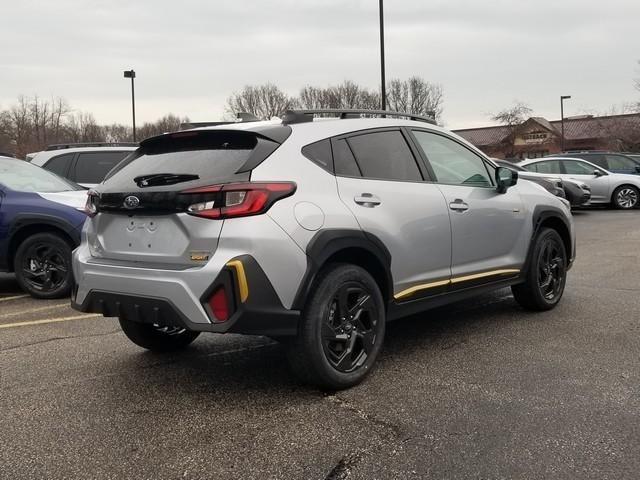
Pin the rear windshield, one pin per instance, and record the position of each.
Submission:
(212, 156)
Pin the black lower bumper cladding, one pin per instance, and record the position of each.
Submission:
(262, 313)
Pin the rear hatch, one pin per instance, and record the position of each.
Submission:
(144, 208)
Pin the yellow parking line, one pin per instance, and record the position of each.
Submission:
(50, 320)
(34, 310)
(15, 297)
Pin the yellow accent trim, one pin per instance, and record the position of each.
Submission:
(475, 276)
(410, 291)
(441, 283)
(243, 286)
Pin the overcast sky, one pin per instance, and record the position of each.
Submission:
(189, 55)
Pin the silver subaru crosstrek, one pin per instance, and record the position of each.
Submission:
(314, 231)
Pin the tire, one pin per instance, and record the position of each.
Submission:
(547, 273)
(625, 197)
(42, 265)
(157, 338)
(341, 331)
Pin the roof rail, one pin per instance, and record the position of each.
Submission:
(62, 146)
(244, 117)
(302, 116)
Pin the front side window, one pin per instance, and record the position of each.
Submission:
(451, 162)
(596, 159)
(575, 167)
(550, 166)
(92, 167)
(385, 155)
(21, 176)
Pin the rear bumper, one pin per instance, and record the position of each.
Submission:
(261, 312)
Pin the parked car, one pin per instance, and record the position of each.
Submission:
(41, 216)
(608, 188)
(577, 193)
(317, 232)
(634, 156)
(611, 161)
(82, 163)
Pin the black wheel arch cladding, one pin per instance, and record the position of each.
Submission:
(331, 243)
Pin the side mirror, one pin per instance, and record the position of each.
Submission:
(637, 168)
(505, 178)
(598, 173)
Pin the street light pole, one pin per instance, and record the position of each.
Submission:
(132, 74)
(383, 100)
(562, 99)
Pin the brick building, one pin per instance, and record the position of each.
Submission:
(537, 136)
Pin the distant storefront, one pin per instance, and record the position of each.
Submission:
(537, 136)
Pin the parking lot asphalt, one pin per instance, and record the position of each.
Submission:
(481, 389)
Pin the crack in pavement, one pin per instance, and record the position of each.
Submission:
(387, 430)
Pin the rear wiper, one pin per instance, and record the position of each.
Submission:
(164, 179)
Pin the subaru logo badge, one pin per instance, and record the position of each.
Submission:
(131, 202)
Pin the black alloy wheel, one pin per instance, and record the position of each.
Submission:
(545, 279)
(341, 329)
(158, 338)
(551, 269)
(349, 328)
(43, 266)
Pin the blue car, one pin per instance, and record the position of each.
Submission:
(41, 217)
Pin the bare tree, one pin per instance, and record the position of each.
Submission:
(415, 95)
(512, 118)
(620, 125)
(82, 127)
(347, 95)
(168, 123)
(263, 101)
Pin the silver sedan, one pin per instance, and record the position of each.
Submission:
(617, 189)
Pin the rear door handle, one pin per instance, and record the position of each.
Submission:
(367, 200)
(458, 205)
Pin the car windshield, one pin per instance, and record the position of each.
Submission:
(24, 177)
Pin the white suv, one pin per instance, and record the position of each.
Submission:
(84, 163)
(314, 231)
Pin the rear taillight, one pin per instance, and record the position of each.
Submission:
(237, 199)
(91, 207)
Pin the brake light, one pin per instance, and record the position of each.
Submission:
(237, 199)
(219, 305)
(91, 206)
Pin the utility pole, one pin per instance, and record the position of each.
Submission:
(383, 100)
(132, 75)
(562, 99)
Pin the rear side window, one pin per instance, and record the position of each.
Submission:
(214, 156)
(550, 166)
(344, 160)
(385, 155)
(92, 167)
(616, 162)
(319, 153)
(60, 164)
